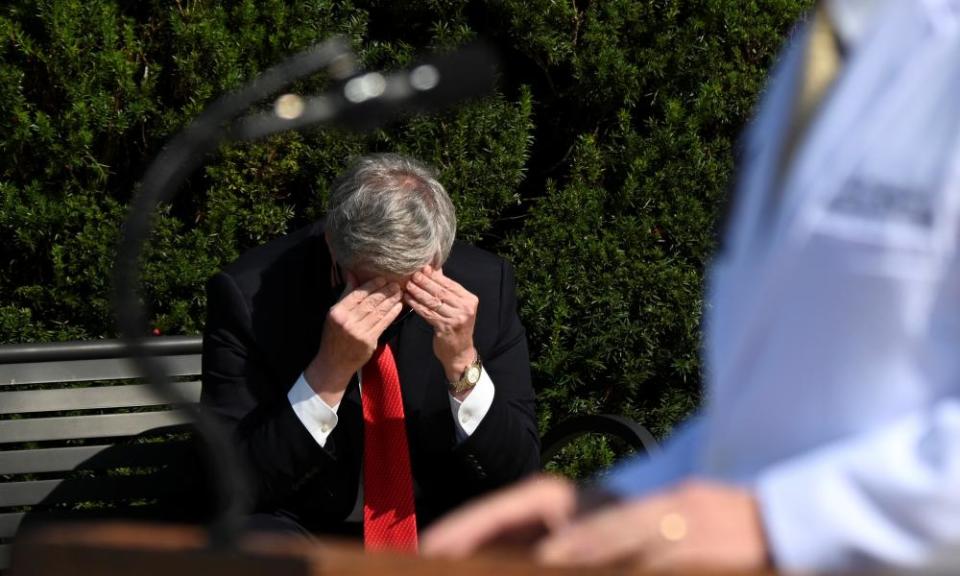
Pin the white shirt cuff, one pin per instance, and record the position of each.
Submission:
(317, 417)
(468, 414)
(885, 497)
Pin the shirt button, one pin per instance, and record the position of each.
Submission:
(324, 428)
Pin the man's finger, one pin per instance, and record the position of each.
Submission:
(542, 501)
(423, 280)
(667, 558)
(360, 293)
(425, 299)
(612, 534)
(368, 313)
(371, 308)
(388, 317)
(453, 289)
(450, 284)
(431, 317)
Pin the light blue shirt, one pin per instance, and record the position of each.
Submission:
(832, 339)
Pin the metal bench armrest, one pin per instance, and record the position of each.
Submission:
(635, 435)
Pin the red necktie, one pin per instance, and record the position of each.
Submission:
(389, 518)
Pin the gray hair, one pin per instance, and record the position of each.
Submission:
(389, 214)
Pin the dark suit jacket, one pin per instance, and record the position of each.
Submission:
(265, 314)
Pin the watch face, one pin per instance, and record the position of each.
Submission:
(473, 374)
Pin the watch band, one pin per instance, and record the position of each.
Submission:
(468, 379)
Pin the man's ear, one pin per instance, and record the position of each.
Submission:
(326, 240)
(350, 279)
(335, 278)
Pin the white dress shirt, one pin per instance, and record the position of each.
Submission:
(320, 419)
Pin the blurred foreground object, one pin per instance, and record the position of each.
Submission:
(829, 440)
(118, 548)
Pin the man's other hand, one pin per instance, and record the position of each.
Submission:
(697, 525)
(516, 516)
(452, 312)
(350, 334)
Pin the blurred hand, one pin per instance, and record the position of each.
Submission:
(697, 525)
(452, 312)
(518, 515)
(350, 334)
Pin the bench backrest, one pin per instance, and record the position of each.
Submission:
(81, 433)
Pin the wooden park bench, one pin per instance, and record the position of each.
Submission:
(83, 437)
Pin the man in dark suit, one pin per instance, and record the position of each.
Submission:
(305, 335)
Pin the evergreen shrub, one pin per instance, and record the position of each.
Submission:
(598, 168)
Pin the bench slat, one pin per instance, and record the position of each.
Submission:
(87, 370)
(92, 349)
(90, 398)
(100, 457)
(112, 489)
(97, 426)
(47, 459)
(10, 522)
(24, 493)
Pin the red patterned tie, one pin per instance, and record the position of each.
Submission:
(389, 518)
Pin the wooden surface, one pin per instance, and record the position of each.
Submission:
(130, 549)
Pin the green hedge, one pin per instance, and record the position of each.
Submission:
(598, 169)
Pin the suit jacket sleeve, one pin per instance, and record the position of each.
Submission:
(283, 458)
(505, 446)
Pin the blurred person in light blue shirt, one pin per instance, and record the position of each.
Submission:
(830, 437)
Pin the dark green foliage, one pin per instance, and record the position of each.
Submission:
(651, 96)
(599, 169)
(584, 457)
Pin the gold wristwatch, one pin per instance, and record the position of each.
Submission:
(469, 379)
